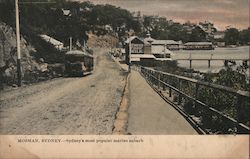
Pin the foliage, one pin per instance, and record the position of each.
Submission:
(233, 106)
(49, 19)
(231, 36)
(230, 78)
(163, 29)
(244, 36)
(7, 11)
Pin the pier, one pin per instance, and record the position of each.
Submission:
(226, 60)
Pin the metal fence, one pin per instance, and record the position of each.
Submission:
(212, 108)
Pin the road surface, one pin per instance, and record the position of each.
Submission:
(64, 106)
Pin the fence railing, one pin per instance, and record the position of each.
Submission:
(215, 108)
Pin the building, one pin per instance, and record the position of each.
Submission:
(219, 39)
(148, 51)
(198, 46)
(148, 43)
(170, 44)
(137, 47)
(143, 59)
(57, 44)
(66, 12)
(160, 51)
(219, 35)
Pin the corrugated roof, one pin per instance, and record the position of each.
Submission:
(135, 59)
(159, 49)
(132, 38)
(164, 59)
(164, 42)
(78, 52)
(148, 40)
(142, 56)
(198, 43)
(51, 40)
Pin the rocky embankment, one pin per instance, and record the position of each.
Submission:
(32, 70)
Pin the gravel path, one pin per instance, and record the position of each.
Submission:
(66, 105)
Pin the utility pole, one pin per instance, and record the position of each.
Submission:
(70, 43)
(129, 52)
(19, 70)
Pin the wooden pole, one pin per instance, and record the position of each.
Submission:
(70, 43)
(19, 70)
(129, 51)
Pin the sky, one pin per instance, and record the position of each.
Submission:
(222, 13)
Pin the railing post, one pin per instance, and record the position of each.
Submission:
(237, 107)
(190, 64)
(151, 77)
(170, 92)
(159, 78)
(196, 90)
(196, 96)
(179, 88)
(163, 84)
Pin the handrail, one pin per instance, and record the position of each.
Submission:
(215, 86)
(236, 93)
(212, 59)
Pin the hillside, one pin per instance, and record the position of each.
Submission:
(102, 41)
(53, 20)
(8, 56)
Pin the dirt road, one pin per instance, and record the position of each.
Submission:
(66, 105)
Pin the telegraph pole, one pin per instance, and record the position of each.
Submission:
(129, 52)
(70, 44)
(19, 70)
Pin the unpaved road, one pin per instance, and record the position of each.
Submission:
(66, 105)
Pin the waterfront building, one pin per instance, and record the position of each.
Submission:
(137, 47)
(170, 44)
(198, 46)
(148, 51)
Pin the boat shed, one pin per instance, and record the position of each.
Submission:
(170, 44)
(198, 46)
(136, 45)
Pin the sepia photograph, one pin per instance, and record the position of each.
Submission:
(123, 72)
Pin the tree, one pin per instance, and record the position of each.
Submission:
(231, 36)
(7, 11)
(244, 36)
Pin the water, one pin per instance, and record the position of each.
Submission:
(217, 65)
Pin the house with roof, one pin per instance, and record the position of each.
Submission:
(148, 44)
(57, 44)
(219, 35)
(135, 46)
(170, 44)
(148, 50)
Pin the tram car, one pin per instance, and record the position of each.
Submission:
(78, 63)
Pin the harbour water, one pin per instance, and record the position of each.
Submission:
(217, 53)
